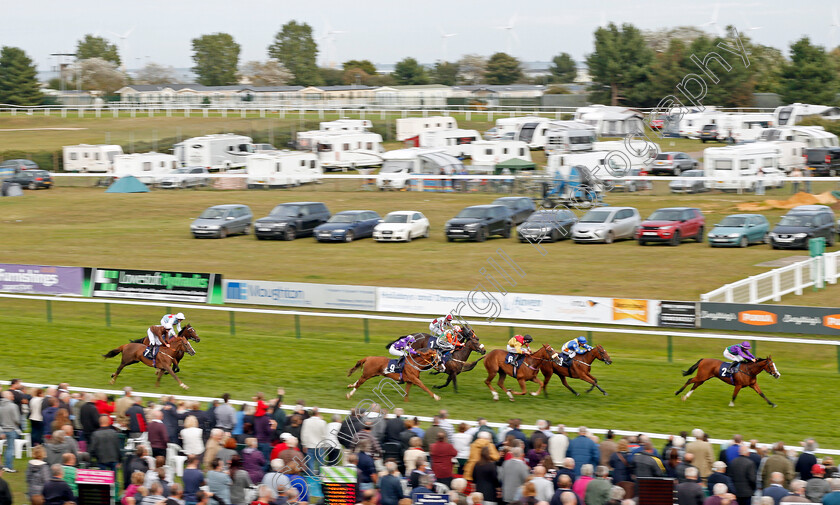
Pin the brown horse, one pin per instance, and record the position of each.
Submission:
(373, 366)
(458, 361)
(187, 332)
(495, 364)
(133, 353)
(579, 368)
(708, 368)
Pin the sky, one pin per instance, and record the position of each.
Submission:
(387, 31)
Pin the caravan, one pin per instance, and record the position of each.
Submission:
(148, 168)
(569, 137)
(790, 115)
(533, 133)
(90, 158)
(410, 127)
(346, 125)
(611, 121)
(455, 142)
(342, 150)
(731, 165)
(487, 153)
(401, 165)
(692, 123)
(742, 127)
(811, 136)
(283, 168)
(222, 151)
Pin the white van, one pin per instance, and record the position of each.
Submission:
(342, 150)
(409, 127)
(399, 165)
(90, 158)
(569, 137)
(511, 124)
(455, 142)
(149, 168)
(282, 168)
(793, 114)
(217, 152)
(346, 125)
(733, 166)
(811, 136)
(487, 153)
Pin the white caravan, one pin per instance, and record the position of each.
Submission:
(742, 127)
(793, 114)
(693, 122)
(733, 167)
(217, 152)
(487, 153)
(282, 168)
(410, 127)
(533, 133)
(346, 125)
(149, 168)
(512, 124)
(400, 165)
(569, 137)
(455, 142)
(811, 136)
(611, 121)
(342, 150)
(90, 158)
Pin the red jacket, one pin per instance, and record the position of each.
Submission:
(104, 407)
(158, 436)
(442, 454)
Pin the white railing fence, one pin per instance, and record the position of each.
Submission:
(778, 282)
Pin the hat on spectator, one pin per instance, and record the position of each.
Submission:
(818, 469)
(284, 436)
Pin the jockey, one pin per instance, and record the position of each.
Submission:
(155, 342)
(575, 346)
(738, 353)
(520, 345)
(174, 321)
(402, 347)
(440, 325)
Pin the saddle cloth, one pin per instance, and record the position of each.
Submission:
(728, 369)
(394, 366)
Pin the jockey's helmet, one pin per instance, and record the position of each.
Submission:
(180, 316)
(448, 317)
(581, 340)
(745, 344)
(528, 338)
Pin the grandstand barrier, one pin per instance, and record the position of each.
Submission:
(495, 424)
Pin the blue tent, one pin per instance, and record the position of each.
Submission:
(127, 184)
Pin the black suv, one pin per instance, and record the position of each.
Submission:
(478, 222)
(291, 220)
(824, 161)
(801, 224)
(32, 179)
(520, 207)
(709, 133)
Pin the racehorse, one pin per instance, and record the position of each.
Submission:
(708, 367)
(133, 353)
(375, 365)
(579, 368)
(458, 361)
(187, 332)
(495, 364)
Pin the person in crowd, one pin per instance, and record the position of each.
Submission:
(390, 485)
(367, 475)
(580, 484)
(120, 407)
(690, 492)
(797, 492)
(227, 451)
(203, 497)
(137, 463)
(155, 496)
(672, 461)
(776, 488)
(240, 481)
(730, 453)
(817, 487)
(9, 426)
(538, 452)
(558, 445)
(621, 462)
(687, 462)
(55, 490)
(225, 415)
(702, 451)
(743, 473)
(718, 492)
(218, 482)
(461, 440)
(514, 473)
(484, 439)
(598, 489)
(833, 498)
(176, 494)
(136, 418)
(193, 479)
(528, 494)
(430, 436)
(719, 475)
(414, 452)
(564, 492)
(105, 445)
(68, 461)
(426, 486)
(136, 481)
(568, 468)
(442, 453)
(484, 473)
(158, 434)
(276, 479)
(253, 460)
(212, 447)
(544, 487)
(458, 494)
(607, 448)
(58, 445)
(583, 450)
(313, 431)
(192, 437)
(36, 418)
(646, 464)
(806, 460)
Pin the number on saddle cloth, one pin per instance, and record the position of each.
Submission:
(510, 359)
(395, 365)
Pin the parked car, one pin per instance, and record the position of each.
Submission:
(606, 224)
(18, 165)
(199, 176)
(740, 230)
(291, 220)
(479, 222)
(824, 161)
(709, 133)
(402, 225)
(261, 148)
(491, 134)
(689, 183)
(220, 221)
(657, 124)
(548, 225)
(520, 207)
(672, 225)
(801, 224)
(347, 226)
(673, 163)
(629, 186)
(31, 179)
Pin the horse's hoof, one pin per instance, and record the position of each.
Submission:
(185, 386)
(773, 405)
(495, 396)
(436, 397)
(605, 393)
(535, 394)
(112, 381)
(347, 396)
(577, 394)
(731, 404)
(684, 398)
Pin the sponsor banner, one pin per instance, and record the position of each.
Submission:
(678, 314)
(94, 476)
(300, 294)
(492, 305)
(770, 318)
(156, 285)
(41, 279)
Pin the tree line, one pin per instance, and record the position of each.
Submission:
(627, 67)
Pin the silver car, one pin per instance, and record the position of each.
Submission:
(222, 220)
(199, 176)
(689, 183)
(673, 163)
(607, 224)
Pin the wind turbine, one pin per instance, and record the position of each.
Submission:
(714, 20)
(443, 38)
(511, 33)
(329, 37)
(835, 24)
(748, 26)
(124, 43)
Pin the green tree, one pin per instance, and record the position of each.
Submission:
(810, 76)
(364, 65)
(18, 82)
(408, 71)
(330, 76)
(472, 67)
(618, 65)
(503, 68)
(766, 64)
(216, 58)
(563, 68)
(296, 49)
(445, 73)
(665, 71)
(736, 86)
(97, 47)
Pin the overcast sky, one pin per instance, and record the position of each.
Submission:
(385, 31)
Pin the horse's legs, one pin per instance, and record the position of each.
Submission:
(159, 375)
(454, 378)
(540, 383)
(407, 387)
(566, 383)
(592, 380)
(116, 374)
(357, 384)
(449, 378)
(489, 383)
(422, 386)
(546, 378)
(168, 368)
(735, 394)
(758, 390)
(696, 385)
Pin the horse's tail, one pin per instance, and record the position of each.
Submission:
(358, 365)
(114, 352)
(389, 344)
(470, 366)
(692, 369)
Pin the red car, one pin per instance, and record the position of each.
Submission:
(672, 225)
(657, 124)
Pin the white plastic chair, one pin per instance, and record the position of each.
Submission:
(174, 458)
(21, 443)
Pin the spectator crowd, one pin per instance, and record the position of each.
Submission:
(174, 452)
